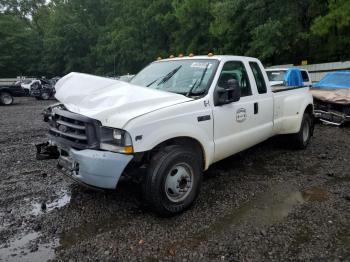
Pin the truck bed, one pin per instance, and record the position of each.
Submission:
(281, 88)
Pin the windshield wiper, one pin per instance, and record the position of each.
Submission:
(166, 77)
(169, 75)
(200, 82)
(152, 82)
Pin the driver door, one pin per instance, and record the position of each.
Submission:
(234, 124)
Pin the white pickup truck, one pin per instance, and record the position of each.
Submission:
(174, 119)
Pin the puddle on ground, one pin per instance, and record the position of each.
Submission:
(87, 231)
(265, 210)
(27, 248)
(21, 249)
(315, 194)
(63, 199)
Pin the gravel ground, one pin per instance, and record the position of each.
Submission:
(268, 203)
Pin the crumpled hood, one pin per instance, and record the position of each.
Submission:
(110, 101)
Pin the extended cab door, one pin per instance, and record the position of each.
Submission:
(263, 101)
(241, 124)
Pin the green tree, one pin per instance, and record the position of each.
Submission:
(332, 32)
(40, 37)
(19, 47)
(192, 34)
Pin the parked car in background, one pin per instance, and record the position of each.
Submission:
(332, 98)
(7, 93)
(125, 78)
(27, 84)
(43, 89)
(277, 76)
(54, 80)
(170, 123)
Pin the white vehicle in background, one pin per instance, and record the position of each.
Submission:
(276, 76)
(125, 78)
(27, 84)
(169, 124)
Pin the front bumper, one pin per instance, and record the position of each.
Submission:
(94, 168)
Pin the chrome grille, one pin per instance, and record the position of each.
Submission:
(73, 129)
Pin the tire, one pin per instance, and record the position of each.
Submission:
(173, 180)
(45, 96)
(6, 98)
(302, 138)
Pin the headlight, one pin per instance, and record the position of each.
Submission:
(116, 140)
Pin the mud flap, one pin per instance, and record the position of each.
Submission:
(45, 151)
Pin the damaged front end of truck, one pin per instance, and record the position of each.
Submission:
(87, 129)
(75, 141)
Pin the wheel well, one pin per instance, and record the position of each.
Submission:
(184, 141)
(309, 109)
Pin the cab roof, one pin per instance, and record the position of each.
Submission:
(214, 57)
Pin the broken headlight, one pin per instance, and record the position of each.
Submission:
(48, 112)
(116, 140)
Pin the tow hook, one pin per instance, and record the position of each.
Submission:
(46, 151)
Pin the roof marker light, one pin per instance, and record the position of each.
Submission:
(210, 54)
(191, 55)
(181, 55)
(172, 56)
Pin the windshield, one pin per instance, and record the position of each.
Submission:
(276, 75)
(178, 76)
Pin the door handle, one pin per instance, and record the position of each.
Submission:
(256, 108)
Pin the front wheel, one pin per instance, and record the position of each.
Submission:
(302, 138)
(173, 180)
(6, 98)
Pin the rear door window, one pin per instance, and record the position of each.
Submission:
(259, 77)
(305, 76)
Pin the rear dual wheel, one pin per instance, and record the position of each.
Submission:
(303, 137)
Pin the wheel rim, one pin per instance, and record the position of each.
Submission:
(306, 131)
(179, 182)
(45, 96)
(6, 99)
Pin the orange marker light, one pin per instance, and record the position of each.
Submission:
(171, 56)
(191, 55)
(128, 150)
(181, 55)
(210, 54)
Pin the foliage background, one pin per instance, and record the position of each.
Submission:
(107, 37)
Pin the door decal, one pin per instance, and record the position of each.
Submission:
(241, 115)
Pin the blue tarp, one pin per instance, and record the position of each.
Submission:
(333, 80)
(293, 77)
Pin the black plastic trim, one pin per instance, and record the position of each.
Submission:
(203, 118)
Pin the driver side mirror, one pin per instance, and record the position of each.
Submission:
(230, 94)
